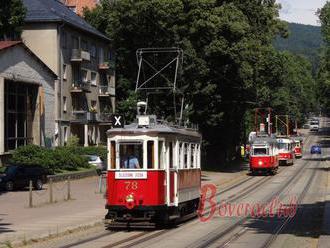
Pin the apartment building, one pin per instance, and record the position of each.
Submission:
(78, 6)
(82, 59)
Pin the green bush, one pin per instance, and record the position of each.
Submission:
(54, 160)
(73, 141)
(100, 151)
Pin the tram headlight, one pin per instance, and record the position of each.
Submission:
(260, 163)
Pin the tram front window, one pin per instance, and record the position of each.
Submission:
(283, 146)
(260, 151)
(131, 156)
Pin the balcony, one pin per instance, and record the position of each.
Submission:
(105, 117)
(106, 91)
(82, 116)
(79, 87)
(78, 55)
(107, 65)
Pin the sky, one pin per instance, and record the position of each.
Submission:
(301, 11)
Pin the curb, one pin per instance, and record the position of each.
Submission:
(22, 241)
(324, 239)
(72, 175)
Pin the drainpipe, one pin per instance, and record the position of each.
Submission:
(60, 66)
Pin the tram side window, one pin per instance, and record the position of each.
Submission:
(151, 158)
(192, 155)
(185, 155)
(161, 154)
(131, 155)
(170, 147)
(113, 155)
(181, 156)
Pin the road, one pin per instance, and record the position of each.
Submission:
(299, 189)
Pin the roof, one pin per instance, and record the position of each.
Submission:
(285, 140)
(55, 11)
(10, 43)
(263, 141)
(157, 128)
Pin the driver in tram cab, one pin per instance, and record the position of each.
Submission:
(131, 161)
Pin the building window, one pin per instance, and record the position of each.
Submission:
(73, 8)
(65, 135)
(64, 104)
(64, 40)
(84, 45)
(84, 75)
(20, 107)
(101, 55)
(79, 103)
(64, 72)
(93, 106)
(93, 78)
(75, 42)
(93, 50)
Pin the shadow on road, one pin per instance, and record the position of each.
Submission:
(307, 222)
(5, 227)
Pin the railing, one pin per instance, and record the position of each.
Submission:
(107, 90)
(80, 55)
(105, 117)
(106, 65)
(84, 86)
(83, 116)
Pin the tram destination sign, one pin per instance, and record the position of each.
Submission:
(131, 175)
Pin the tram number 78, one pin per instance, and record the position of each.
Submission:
(131, 185)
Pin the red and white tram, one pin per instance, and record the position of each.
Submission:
(154, 173)
(298, 146)
(286, 150)
(264, 155)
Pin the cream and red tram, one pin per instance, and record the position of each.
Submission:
(264, 155)
(286, 153)
(154, 174)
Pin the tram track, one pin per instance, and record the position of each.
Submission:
(288, 220)
(238, 195)
(216, 235)
(234, 197)
(241, 194)
(273, 237)
(278, 229)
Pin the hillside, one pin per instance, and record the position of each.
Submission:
(305, 40)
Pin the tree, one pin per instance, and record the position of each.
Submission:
(229, 64)
(324, 70)
(12, 14)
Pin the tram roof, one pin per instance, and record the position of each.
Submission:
(263, 140)
(134, 129)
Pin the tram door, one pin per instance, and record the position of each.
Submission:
(172, 174)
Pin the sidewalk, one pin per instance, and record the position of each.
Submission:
(324, 240)
(18, 223)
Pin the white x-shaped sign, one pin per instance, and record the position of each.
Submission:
(117, 120)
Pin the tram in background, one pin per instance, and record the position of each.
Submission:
(264, 155)
(298, 146)
(286, 153)
(154, 173)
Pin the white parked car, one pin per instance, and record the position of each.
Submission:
(95, 161)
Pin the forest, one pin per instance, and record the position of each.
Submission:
(305, 40)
